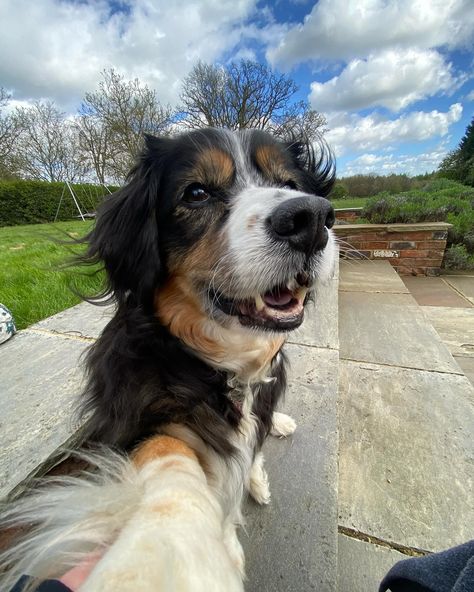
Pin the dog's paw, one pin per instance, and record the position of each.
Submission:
(258, 486)
(282, 425)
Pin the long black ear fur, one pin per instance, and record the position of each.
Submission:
(317, 163)
(125, 236)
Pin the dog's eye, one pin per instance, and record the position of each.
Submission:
(195, 194)
(289, 184)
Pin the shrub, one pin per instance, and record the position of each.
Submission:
(457, 257)
(32, 202)
(339, 191)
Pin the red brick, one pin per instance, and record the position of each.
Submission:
(413, 253)
(431, 244)
(411, 236)
(384, 245)
(427, 262)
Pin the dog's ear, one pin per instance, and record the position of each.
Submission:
(125, 237)
(316, 163)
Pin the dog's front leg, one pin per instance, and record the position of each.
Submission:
(258, 481)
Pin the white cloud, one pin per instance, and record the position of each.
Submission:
(470, 96)
(387, 164)
(355, 134)
(56, 49)
(392, 78)
(344, 29)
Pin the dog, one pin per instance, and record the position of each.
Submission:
(211, 251)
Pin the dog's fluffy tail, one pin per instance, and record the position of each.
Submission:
(155, 523)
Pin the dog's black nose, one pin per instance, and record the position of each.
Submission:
(302, 222)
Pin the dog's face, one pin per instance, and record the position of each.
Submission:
(237, 224)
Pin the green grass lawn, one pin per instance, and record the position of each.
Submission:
(32, 284)
(351, 202)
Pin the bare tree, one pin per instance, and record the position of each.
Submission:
(246, 94)
(299, 122)
(47, 146)
(115, 119)
(9, 132)
(94, 142)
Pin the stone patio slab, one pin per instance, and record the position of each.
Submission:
(40, 385)
(434, 291)
(370, 276)
(319, 328)
(390, 329)
(406, 455)
(292, 543)
(467, 366)
(83, 320)
(455, 326)
(362, 566)
(463, 284)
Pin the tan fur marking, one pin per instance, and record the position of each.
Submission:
(177, 306)
(168, 509)
(271, 162)
(203, 257)
(214, 167)
(159, 446)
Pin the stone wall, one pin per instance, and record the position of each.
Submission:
(413, 249)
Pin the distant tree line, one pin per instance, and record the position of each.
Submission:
(368, 185)
(101, 141)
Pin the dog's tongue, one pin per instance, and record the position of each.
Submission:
(278, 297)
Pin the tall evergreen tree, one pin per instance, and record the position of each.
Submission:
(459, 164)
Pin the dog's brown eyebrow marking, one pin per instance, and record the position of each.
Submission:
(271, 162)
(214, 168)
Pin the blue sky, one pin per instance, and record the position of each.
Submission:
(393, 78)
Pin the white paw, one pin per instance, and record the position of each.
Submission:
(283, 425)
(258, 486)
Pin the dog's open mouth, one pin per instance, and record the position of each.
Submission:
(280, 308)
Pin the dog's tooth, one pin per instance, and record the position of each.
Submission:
(301, 293)
(259, 303)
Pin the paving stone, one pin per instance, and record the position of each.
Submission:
(406, 455)
(434, 291)
(467, 366)
(463, 284)
(83, 320)
(370, 276)
(40, 385)
(455, 326)
(319, 328)
(390, 329)
(292, 543)
(362, 566)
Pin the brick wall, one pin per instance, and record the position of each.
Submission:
(413, 249)
(348, 214)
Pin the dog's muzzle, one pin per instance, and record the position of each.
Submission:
(302, 224)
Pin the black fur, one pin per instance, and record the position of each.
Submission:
(139, 375)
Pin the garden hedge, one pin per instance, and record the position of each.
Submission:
(33, 202)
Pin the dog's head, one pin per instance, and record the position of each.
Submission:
(235, 226)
